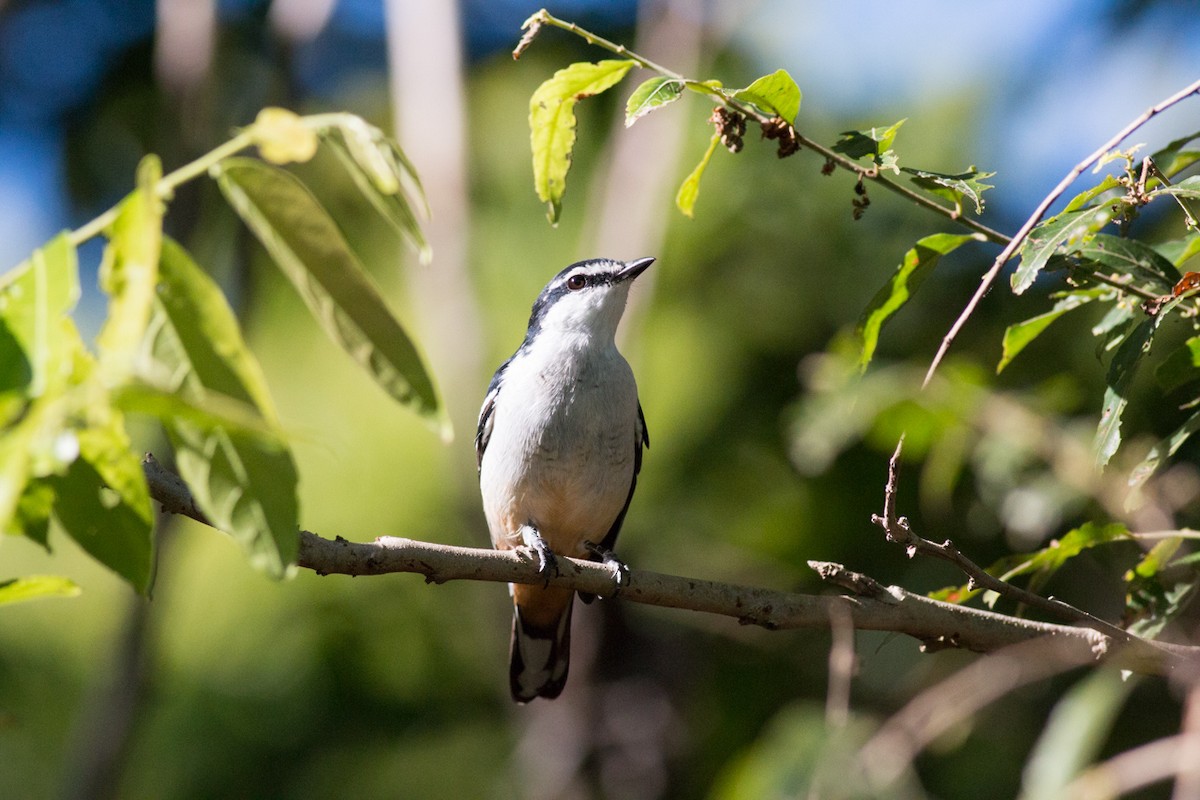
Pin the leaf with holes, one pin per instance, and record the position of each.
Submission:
(968, 184)
(1055, 234)
(552, 123)
(1120, 375)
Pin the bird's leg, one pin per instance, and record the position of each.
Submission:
(533, 542)
(620, 571)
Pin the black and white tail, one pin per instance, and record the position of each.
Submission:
(540, 655)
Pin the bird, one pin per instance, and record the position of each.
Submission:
(559, 448)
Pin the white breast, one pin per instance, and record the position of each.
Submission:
(561, 452)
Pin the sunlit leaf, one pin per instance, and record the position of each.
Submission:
(34, 298)
(33, 587)
(871, 142)
(654, 93)
(1108, 184)
(552, 123)
(244, 482)
(775, 94)
(1059, 552)
(1120, 375)
(1019, 335)
(383, 175)
(310, 250)
(689, 190)
(32, 517)
(1064, 230)
(968, 184)
(282, 137)
(918, 263)
(129, 273)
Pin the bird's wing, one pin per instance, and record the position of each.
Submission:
(486, 416)
(641, 439)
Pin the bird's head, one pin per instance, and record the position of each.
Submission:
(586, 297)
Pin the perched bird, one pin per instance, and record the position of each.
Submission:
(559, 447)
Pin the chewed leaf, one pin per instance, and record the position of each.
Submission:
(913, 270)
(968, 184)
(1020, 334)
(1046, 240)
(872, 142)
(654, 93)
(1120, 375)
(689, 190)
(1130, 257)
(776, 93)
(552, 123)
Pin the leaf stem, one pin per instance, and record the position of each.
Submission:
(871, 173)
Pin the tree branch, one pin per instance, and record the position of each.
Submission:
(873, 607)
(1017, 240)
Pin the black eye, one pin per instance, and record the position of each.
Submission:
(576, 282)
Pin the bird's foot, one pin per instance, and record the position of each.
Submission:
(620, 572)
(537, 548)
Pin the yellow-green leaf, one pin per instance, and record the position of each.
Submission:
(654, 93)
(776, 93)
(282, 137)
(32, 587)
(552, 123)
(689, 190)
(129, 273)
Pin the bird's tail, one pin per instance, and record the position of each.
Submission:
(541, 642)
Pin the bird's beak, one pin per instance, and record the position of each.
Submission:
(633, 269)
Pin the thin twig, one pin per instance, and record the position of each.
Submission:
(897, 529)
(871, 173)
(1015, 243)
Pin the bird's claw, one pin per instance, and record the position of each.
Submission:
(620, 572)
(537, 548)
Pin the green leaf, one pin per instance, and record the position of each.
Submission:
(776, 94)
(309, 249)
(1179, 251)
(1075, 732)
(654, 93)
(1173, 159)
(32, 587)
(34, 298)
(1120, 375)
(689, 190)
(1164, 449)
(1084, 198)
(1059, 552)
(244, 483)
(1019, 335)
(1044, 241)
(129, 273)
(872, 142)
(968, 184)
(918, 263)
(383, 175)
(39, 346)
(1158, 557)
(105, 523)
(552, 123)
(1130, 257)
(1181, 367)
(32, 518)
